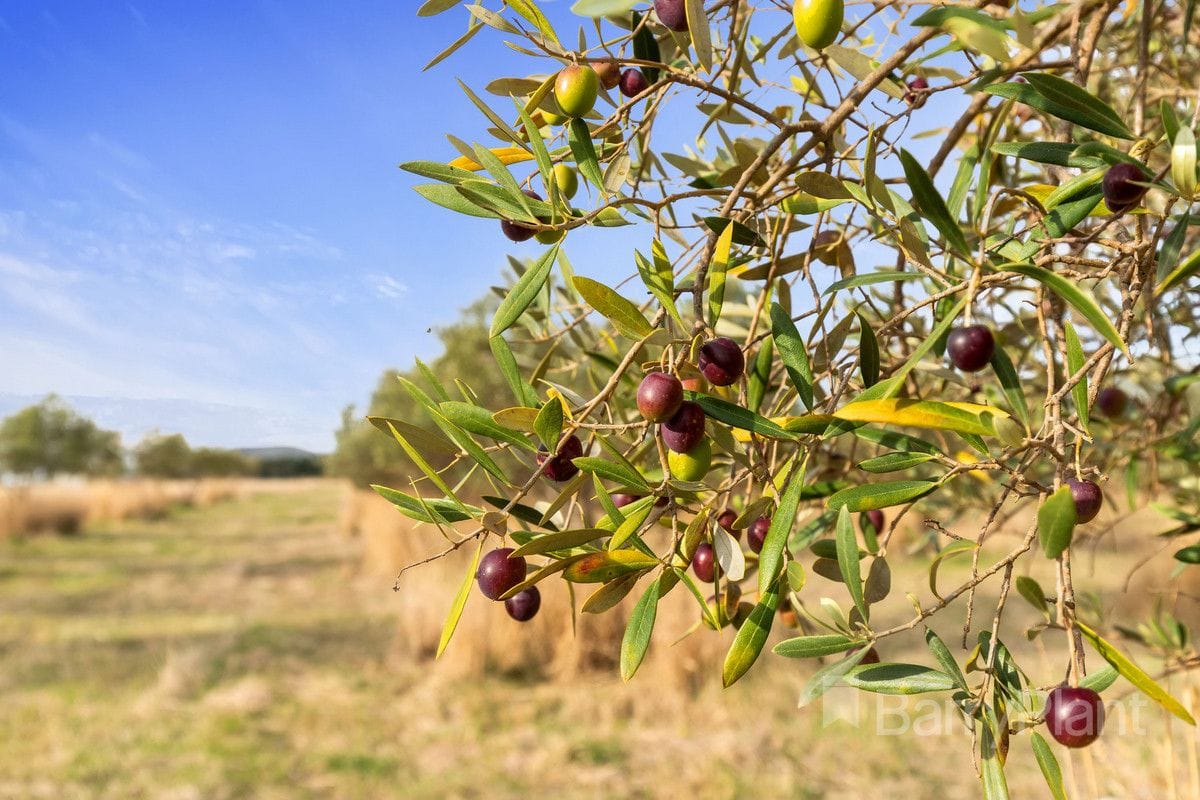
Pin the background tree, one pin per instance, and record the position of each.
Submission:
(971, 353)
(161, 455)
(50, 438)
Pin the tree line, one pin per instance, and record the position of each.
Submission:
(50, 438)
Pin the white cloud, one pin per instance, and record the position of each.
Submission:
(388, 287)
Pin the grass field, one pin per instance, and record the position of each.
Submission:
(240, 651)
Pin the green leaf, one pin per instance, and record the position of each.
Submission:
(793, 353)
(1056, 522)
(1189, 555)
(1057, 153)
(560, 540)
(898, 679)
(944, 658)
(645, 46)
(479, 421)
(549, 423)
(815, 646)
(750, 638)
(638, 631)
(659, 278)
(447, 196)
(995, 786)
(522, 293)
(828, 676)
(697, 22)
(1032, 591)
(438, 171)
(424, 510)
(624, 475)
(472, 29)
(1186, 269)
(1049, 766)
(431, 7)
(716, 275)
(460, 602)
(603, 8)
(492, 116)
(932, 206)
(1134, 674)
(894, 462)
(1067, 94)
(1006, 373)
(605, 565)
(609, 595)
(770, 560)
(529, 10)
(1097, 116)
(880, 495)
(622, 313)
(891, 386)
(741, 234)
(1076, 298)
(860, 66)
(1101, 679)
(868, 352)
(870, 278)
(507, 364)
(579, 138)
(635, 516)
(760, 375)
(1168, 254)
(415, 456)
(848, 561)
(1075, 362)
(738, 417)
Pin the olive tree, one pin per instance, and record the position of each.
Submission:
(835, 318)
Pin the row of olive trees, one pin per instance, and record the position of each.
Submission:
(50, 438)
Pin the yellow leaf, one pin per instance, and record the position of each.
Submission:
(967, 457)
(507, 155)
(918, 414)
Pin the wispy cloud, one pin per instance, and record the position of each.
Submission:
(387, 286)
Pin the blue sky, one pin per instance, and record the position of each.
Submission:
(202, 227)
(200, 202)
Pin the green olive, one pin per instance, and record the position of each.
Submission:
(566, 180)
(818, 22)
(692, 465)
(576, 89)
(549, 237)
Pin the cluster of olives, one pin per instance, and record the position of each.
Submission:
(498, 572)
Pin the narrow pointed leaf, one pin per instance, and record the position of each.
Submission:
(639, 631)
(623, 314)
(522, 293)
(1056, 522)
(460, 602)
(793, 353)
(1081, 302)
(1134, 674)
(750, 638)
(770, 560)
(931, 204)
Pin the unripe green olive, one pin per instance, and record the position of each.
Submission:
(549, 237)
(692, 465)
(566, 180)
(576, 89)
(818, 22)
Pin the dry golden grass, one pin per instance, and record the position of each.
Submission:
(68, 507)
(244, 650)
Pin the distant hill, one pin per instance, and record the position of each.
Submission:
(278, 453)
